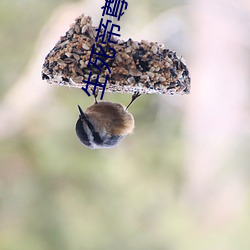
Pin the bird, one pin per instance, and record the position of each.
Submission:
(104, 124)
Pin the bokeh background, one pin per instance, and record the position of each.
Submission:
(180, 182)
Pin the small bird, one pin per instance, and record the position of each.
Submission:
(104, 124)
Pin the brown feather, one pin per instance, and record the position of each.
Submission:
(111, 117)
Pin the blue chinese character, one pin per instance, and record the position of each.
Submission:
(95, 84)
(103, 54)
(107, 8)
(104, 35)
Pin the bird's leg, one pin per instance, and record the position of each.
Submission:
(96, 95)
(134, 97)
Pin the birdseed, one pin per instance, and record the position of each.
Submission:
(144, 67)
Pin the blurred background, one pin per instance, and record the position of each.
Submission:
(180, 182)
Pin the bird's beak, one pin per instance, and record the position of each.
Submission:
(82, 115)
